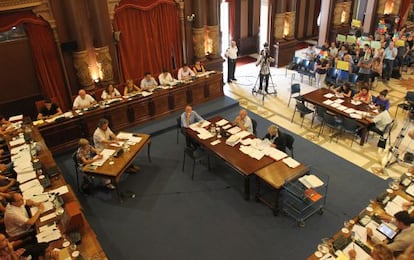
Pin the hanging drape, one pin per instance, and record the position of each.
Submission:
(405, 4)
(232, 17)
(45, 54)
(150, 36)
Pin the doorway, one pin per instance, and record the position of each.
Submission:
(264, 20)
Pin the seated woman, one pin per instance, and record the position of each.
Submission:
(276, 137)
(130, 88)
(382, 99)
(49, 110)
(198, 68)
(110, 92)
(344, 90)
(87, 154)
(363, 95)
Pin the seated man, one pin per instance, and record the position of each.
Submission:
(34, 250)
(185, 73)
(83, 100)
(6, 183)
(6, 127)
(49, 110)
(380, 121)
(103, 135)
(148, 82)
(402, 240)
(189, 117)
(243, 121)
(276, 138)
(87, 154)
(166, 79)
(16, 217)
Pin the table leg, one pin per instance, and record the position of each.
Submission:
(364, 132)
(246, 188)
(149, 151)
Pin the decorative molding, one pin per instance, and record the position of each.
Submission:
(198, 43)
(80, 62)
(19, 4)
(103, 57)
(112, 4)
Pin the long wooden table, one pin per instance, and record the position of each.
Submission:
(240, 162)
(317, 98)
(89, 247)
(130, 112)
(276, 175)
(114, 168)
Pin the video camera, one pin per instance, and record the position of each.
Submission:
(266, 51)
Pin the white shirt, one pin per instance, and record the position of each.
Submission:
(83, 103)
(183, 74)
(382, 119)
(231, 52)
(105, 94)
(15, 219)
(165, 79)
(99, 136)
(146, 84)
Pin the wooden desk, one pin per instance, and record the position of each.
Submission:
(90, 247)
(276, 175)
(130, 112)
(232, 156)
(316, 97)
(115, 170)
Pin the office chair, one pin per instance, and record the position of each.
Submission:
(330, 120)
(303, 110)
(289, 143)
(254, 124)
(76, 163)
(350, 126)
(197, 155)
(295, 90)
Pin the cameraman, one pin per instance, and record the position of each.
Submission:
(264, 61)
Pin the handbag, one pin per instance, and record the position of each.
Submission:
(382, 142)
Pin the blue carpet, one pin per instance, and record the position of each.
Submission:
(173, 217)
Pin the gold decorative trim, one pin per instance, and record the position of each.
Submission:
(18, 4)
(111, 8)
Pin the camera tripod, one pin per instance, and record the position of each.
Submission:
(263, 92)
(393, 154)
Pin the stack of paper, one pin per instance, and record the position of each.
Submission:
(16, 118)
(395, 205)
(106, 153)
(242, 134)
(234, 130)
(311, 181)
(327, 102)
(378, 236)
(250, 151)
(275, 154)
(48, 233)
(329, 95)
(146, 93)
(233, 140)
(222, 122)
(292, 163)
(338, 100)
(361, 254)
(17, 142)
(26, 176)
(410, 190)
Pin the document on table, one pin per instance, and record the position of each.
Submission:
(48, 206)
(356, 116)
(26, 176)
(355, 102)
(130, 137)
(292, 163)
(33, 191)
(410, 190)
(375, 233)
(146, 93)
(275, 154)
(329, 95)
(335, 104)
(222, 122)
(16, 142)
(242, 134)
(327, 102)
(234, 130)
(61, 190)
(250, 151)
(349, 110)
(361, 254)
(48, 236)
(106, 153)
(16, 118)
(360, 233)
(225, 127)
(395, 205)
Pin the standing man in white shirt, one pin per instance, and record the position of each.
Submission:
(83, 100)
(231, 55)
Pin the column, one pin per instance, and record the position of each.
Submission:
(213, 28)
(291, 19)
(381, 7)
(324, 25)
(336, 21)
(279, 21)
(198, 30)
(101, 26)
(396, 7)
(80, 32)
(369, 16)
(180, 4)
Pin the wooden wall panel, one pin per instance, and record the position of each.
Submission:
(310, 17)
(244, 10)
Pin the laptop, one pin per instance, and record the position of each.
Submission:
(387, 231)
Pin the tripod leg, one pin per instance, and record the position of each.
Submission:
(254, 89)
(273, 85)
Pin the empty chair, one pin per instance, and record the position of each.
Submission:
(295, 92)
(331, 75)
(319, 113)
(303, 111)
(197, 155)
(303, 68)
(293, 64)
(353, 79)
(350, 126)
(310, 72)
(331, 121)
(289, 143)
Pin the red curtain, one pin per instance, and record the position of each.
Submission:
(232, 17)
(44, 52)
(405, 4)
(150, 36)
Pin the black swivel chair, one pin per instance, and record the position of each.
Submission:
(295, 92)
(197, 155)
(330, 120)
(75, 161)
(350, 126)
(289, 143)
(254, 124)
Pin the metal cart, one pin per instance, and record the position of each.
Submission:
(298, 205)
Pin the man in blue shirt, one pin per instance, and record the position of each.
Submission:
(189, 117)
